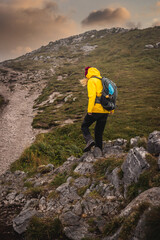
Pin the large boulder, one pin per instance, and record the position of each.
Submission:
(153, 145)
(21, 222)
(134, 165)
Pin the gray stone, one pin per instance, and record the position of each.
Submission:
(77, 209)
(42, 204)
(11, 196)
(21, 222)
(70, 219)
(153, 145)
(31, 203)
(112, 151)
(76, 232)
(134, 141)
(158, 45)
(84, 168)
(97, 152)
(151, 196)
(149, 46)
(81, 182)
(134, 165)
(88, 157)
(67, 194)
(120, 142)
(114, 179)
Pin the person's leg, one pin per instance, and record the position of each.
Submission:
(99, 129)
(87, 122)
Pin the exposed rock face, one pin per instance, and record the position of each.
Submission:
(20, 223)
(154, 142)
(84, 201)
(134, 165)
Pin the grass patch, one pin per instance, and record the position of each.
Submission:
(102, 165)
(46, 228)
(54, 147)
(59, 179)
(81, 191)
(34, 192)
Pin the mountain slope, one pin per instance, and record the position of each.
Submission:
(120, 55)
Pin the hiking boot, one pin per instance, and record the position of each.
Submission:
(88, 146)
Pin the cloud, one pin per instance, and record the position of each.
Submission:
(106, 16)
(28, 24)
(156, 22)
(158, 4)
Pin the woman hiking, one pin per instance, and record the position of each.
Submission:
(95, 113)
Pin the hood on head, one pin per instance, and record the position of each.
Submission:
(93, 72)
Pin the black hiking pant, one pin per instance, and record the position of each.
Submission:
(100, 119)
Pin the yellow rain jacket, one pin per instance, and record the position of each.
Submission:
(94, 87)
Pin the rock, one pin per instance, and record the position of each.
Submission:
(120, 142)
(84, 168)
(70, 219)
(68, 97)
(158, 45)
(134, 165)
(77, 209)
(151, 196)
(114, 179)
(97, 152)
(36, 58)
(59, 78)
(76, 232)
(88, 157)
(21, 222)
(134, 141)
(42, 204)
(81, 182)
(149, 46)
(112, 151)
(67, 194)
(153, 145)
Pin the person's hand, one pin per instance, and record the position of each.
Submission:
(89, 113)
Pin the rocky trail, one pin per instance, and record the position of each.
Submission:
(16, 132)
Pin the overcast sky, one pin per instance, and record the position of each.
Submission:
(26, 25)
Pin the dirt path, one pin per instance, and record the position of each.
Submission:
(16, 132)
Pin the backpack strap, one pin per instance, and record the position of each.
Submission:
(98, 99)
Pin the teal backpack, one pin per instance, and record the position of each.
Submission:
(109, 94)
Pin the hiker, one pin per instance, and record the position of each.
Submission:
(96, 113)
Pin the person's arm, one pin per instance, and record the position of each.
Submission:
(91, 95)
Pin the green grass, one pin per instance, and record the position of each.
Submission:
(54, 147)
(102, 165)
(46, 228)
(59, 179)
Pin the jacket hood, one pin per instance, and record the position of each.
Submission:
(93, 72)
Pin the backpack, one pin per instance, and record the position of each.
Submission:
(109, 94)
